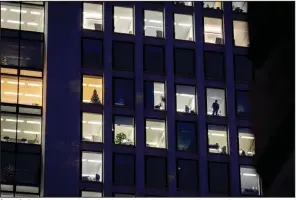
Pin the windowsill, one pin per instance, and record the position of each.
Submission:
(155, 148)
(124, 33)
(186, 113)
(214, 9)
(91, 30)
(154, 37)
(180, 40)
(7, 142)
(216, 116)
(218, 154)
(90, 142)
(125, 145)
(96, 104)
(20, 105)
(208, 43)
(91, 182)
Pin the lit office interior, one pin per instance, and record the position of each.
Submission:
(153, 23)
(124, 133)
(185, 99)
(92, 127)
(213, 30)
(92, 88)
(155, 133)
(92, 164)
(246, 141)
(218, 139)
(123, 20)
(214, 95)
(250, 181)
(183, 27)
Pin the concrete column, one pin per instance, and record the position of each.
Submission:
(61, 106)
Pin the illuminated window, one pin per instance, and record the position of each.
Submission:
(246, 141)
(123, 20)
(250, 181)
(124, 130)
(183, 27)
(90, 194)
(92, 130)
(92, 166)
(155, 133)
(216, 102)
(155, 96)
(29, 91)
(213, 5)
(92, 89)
(184, 3)
(213, 32)
(93, 16)
(218, 139)
(185, 99)
(153, 21)
(240, 33)
(22, 17)
(240, 6)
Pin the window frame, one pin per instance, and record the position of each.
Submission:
(82, 51)
(195, 98)
(81, 127)
(222, 32)
(194, 62)
(145, 134)
(113, 167)
(192, 23)
(80, 167)
(96, 76)
(205, 65)
(163, 23)
(225, 99)
(237, 91)
(134, 58)
(114, 89)
(145, 71)
(227, 139)
(238, 143)
(133, 19)
(240, 186)
(178, 176)
(144, 99)
(14, 191)
(113, 130)
(82, 19)
(228, 175)
(177, 135)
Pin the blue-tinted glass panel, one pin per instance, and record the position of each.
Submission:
(124, 169)
(123, 56)
(243, 69)
(9, 52)
(156, 172)
(214, 66)
(92, 55)
(243, 104)
(31, 54)
(187, 178)
(154, 59)
(123, 93)
(28, 169)
(186, 136)
(185, 62)
(218, 178)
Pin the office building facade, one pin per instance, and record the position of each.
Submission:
(125, 99)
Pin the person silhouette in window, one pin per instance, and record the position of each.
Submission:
(215, 107)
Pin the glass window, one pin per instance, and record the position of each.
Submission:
(218, 139)
(20, 195)
(92, 166)
(187, 175)
(187, 136)
(28, 169)
(184, 3)
(124, 130)
(7, 167)
(218, 178)
(123, 20)
(155, 172)
(240, 33)
(240, 6)
(93, 16)
(9, 52)
(92, 130)
(31, 54)
(153, 21)
(154, 59)
(213, 30)
(250, 181)
(27, 189)
(29, 129)
(183, 27)
(9, 89)
(123, 56)
(92, 88)
(123, 93)
(185, 98)
(243, 69)
(155, 96)
(22, 16)
(214, 66)
(213, 5)
(155, 133)
(246, 140)
(216, 102)
(243, 109)
(90, 194)
(185, 62)
(30, 91)
(92, 53)
(124, 169)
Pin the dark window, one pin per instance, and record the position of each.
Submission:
(123, 93)
(218, 178)
(243, 69)
(154, 96)
(28, 169)
(184, 62)
(7, 167)
(31, 54)
(187, 175)
(124, 169)
(214, 66)
(186, 136)
(154, 59)
(9, 52)
(92, 55)
(123, 56)
(243, 105)
(156, 172)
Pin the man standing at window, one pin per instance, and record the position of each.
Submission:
(215, 107)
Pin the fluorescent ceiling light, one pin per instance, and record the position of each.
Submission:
(34, 85)
(218, 134)
(11, 130)
(184, 25)
(129, 18)
(213, 29)
(32, 132)
(12, 93)
(157, 129)
(247, 174)
(247, 137)
(158, 92)
(32, 24)
(87, 101)
(92, 122)
(91, 175)
(146, 26)
(35, 13)
(95, 161)
(14, 22)
(33, 122)
(92, 15)
(14, 120)
(3, 9)
(155, 21)
(18, 10)
(184, 95)
(15, 83)
(32, 95)
(93, 85)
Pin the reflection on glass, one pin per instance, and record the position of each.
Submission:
(124, 93)
(92, 89)
(123, 20)
(186, 136)
(216, 102)
(183, 27)
(92, 167)
(213, 30)
(124, 130)
(246, 141)
(153, 21)
(243, 104)
(155, 133)
(92, 127)
(250, 181)
(185, 98)
(92, 16)
(218, 139)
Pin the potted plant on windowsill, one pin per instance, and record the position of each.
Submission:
(120, 138)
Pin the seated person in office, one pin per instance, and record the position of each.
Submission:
(215, 107)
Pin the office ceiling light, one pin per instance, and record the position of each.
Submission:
(155, 21)
(93, 85)
(12, 93)
(127, 18)
(247, 137)
(11, 130)
(92, 15)
(92, 122)
(34, 85)
(14, 22)
(33, 122)
(184, 95)
(17, 10)
(184, 25)
(158, 92)
(33, 95)
(218, 134)
(35, 13)
(15, 83)
(32, 132)
(153, 27)
(14, 120)
(157, 129)
(95, 161)
(32, 24)
(3, 9)
(248, 174)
